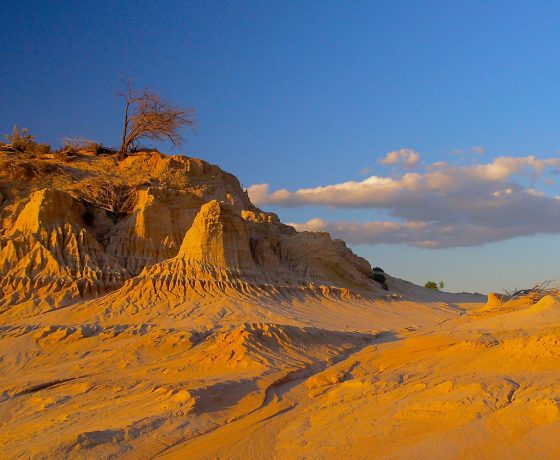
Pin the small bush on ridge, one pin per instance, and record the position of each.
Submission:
(380, 278)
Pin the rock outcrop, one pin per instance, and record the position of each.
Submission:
(49, 258)
(192, 228)
(224, 253)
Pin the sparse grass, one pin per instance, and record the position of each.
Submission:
(27, 169)
(75, 146)
(65, 155)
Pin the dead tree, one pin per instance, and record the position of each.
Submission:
(536, 293)
(146, 115)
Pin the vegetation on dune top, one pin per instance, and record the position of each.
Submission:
(434, 286)
(146, 116)
(378, 276)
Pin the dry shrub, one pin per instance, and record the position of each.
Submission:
(536, 293)
(23, 142)
(75, 145)
(43, 149)
(117, 198)
(28, 170)
(65, 156)
(96, 148)
(174, 180)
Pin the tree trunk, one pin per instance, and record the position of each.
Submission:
(125, 130)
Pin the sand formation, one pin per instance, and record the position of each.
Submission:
(191, 227)
(149, 310)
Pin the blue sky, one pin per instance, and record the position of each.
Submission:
(300, 95)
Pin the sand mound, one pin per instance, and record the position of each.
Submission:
(271, 345)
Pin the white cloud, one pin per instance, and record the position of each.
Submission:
(476, 149)
(503, 167)
(428, 234)
(436, 165)
(387, 192)
(407, 157)
(392, 158)
(441, 206)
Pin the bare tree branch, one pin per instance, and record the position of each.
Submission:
(147, 115)
(536, 293)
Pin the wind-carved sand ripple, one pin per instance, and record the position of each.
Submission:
(203, 380)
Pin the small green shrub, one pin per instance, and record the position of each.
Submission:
(434, 286)
(378, 269)
(380, 278)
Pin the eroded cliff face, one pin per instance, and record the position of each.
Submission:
(49, 257)
(190, 228)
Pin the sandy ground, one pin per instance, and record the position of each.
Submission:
(311, 379)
